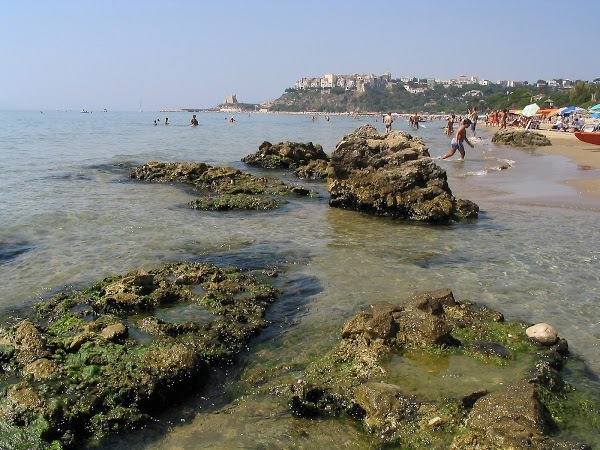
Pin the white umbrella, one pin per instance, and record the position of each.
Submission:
(530, 110)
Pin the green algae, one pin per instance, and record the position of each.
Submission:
(240, 201)
(235, 190)
(421, 396)
(80, 372)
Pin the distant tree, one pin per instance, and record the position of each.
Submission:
(579, 93)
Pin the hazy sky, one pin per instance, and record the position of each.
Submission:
(94, 54)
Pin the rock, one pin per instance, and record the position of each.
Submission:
(23, 396)
(286, 155)
(29, 343)
(490, 349)
(316, 170)
(419, 329)
(513, 415)
(79, 340)
(432, 302)
(41, 369)
(390, 175)
(543, 333)
(384, 405)
(220, 180)
(115, 333)
(357, 324)
(520, 138)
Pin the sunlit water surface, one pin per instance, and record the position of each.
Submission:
(70, 216)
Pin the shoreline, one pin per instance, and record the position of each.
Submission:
(585, 156)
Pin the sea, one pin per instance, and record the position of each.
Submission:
(70, 216)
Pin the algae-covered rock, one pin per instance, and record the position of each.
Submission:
(97, 361)
(286, 155)
(511, 417)
(359, 379)
(234, 189)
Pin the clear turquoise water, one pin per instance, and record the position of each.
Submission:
(69, 216)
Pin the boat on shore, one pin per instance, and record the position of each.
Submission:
(592, 137)
(589, 133)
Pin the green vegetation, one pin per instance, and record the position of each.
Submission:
(438, 99)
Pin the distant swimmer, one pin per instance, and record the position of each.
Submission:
(166, 121)
(155, 123)
(457, 141)
(194, 121)
(231, 120)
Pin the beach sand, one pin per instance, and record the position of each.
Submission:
(586, 156)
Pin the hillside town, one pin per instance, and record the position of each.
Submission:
(414, 85)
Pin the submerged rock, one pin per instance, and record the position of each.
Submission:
(234, 189)
(391, 175)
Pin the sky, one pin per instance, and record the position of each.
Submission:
(170, 54)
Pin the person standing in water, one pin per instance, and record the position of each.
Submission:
(194, 121)
(387, 120)
(474, 118)
(457, 142)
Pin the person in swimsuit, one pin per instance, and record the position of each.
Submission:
(387, 120)
(474, 118)
(194, 121)
(457, 142)
(450, 125)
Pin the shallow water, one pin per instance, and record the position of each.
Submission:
(70, 216)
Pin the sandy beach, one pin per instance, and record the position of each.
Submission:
(586, 156)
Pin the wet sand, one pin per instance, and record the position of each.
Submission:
(586, 156)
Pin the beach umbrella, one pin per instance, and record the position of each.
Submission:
(595, 115)
(571, 109)
(595, 107)
(530, 110)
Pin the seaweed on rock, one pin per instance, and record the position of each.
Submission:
(98, 361)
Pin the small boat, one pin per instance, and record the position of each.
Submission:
(590, 137)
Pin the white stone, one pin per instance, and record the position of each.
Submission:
(542, 333)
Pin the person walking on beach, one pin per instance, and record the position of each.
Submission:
(194, 121)
(387, 120)
(503, 117)
(458, 140)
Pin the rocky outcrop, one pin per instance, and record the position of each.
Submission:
(518, 137)
(99, 360)
(234, 189)
(356, 378)
(392, 175)
(288, 155)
